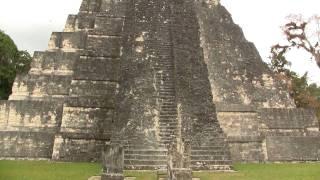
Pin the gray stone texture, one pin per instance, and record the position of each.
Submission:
(150, 73)
(113, 159)
(236, 72)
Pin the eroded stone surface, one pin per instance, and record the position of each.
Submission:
(149, 73)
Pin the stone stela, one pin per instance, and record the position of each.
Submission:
(179, 161)
(113, 162)
(144, 74)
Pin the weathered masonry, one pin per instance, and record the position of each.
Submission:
(148, 73)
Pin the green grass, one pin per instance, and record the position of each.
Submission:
(44, 170)
(267, 172)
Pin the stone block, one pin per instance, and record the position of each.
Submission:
(70, 23)
(30, 116)
(115, 8)
(109, 25)
(112, 177)
(93, 88)
(288, 118)
(37, 85)
(239, 123)
(73, 148)
(91, 102)
(103, 46)
(113, 159)
(247, 151)
(85, 21)
(286, 148)
(90, 121)
(68, 41)
(97, 69)
(90, 6)
(56, 62)
(26, 145)
(4, 113)
(180, 174)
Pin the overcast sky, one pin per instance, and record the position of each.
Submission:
(30, 23)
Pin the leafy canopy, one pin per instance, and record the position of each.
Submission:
(12, 62)
(305, 95)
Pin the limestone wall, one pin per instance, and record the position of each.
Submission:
(236, 71)
(26, 145)
(30, 115)
(290, 148)
(242, 127)
(258, 135)
(282, 119)
(28, 128)
(75, 150)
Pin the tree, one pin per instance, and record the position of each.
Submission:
(304, 95)
(301, 34)
(12, 62)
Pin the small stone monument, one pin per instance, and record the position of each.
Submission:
(179, 161)
(113, 162)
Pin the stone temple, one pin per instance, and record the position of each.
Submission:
(147, 73)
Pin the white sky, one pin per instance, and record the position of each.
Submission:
(30, 23)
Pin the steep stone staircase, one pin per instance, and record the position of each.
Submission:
(168, 110)
(213, 154)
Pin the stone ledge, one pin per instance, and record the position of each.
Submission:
(220, 107)
(243, 139)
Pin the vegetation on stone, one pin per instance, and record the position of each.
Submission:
(298, 37)
(12, 61)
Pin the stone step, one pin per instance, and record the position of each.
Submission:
(166, 63)
(167, 134)
(168, 110)
(209, 153)
(143, 146)
(168, 128)
(168, 121)
(212, 167)
(209, 157)
(210, 162)
(167, 116)
(167, 88)
(167, 92)
(167, 142)
(144, 167)
(167, 139)
(169, 106)
(164, 113)
(167, 95)
(144, 157)
(171, 124)
(166, 75)
(144, 162)
(172, 90)
(145, 152)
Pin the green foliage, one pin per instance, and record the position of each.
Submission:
(12, 62)
(304, 95)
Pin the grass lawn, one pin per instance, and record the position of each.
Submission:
(43, 170)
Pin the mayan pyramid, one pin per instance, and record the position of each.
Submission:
(148, 73)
